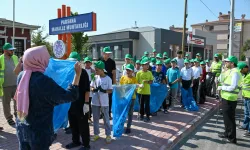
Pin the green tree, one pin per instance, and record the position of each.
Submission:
(244, 49)
(38, 38)
(79, 41)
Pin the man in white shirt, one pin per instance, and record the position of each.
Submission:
(197, 72)
(186, 75)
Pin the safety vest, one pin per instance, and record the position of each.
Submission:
(2, 68)
(231, 95)
(216, 67)
(246, 86)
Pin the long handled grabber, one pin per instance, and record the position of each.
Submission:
(138, 115)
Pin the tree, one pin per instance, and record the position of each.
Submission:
(244, 49)
(38, 39)
(79, 41)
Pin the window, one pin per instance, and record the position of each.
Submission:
(118, 52)
(19, 45)
(1, 45)
(124, 52)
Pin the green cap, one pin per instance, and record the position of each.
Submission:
(130, 67)
(196, 60)
(107, 50)
(8, 46)
(167, 61)
(99, 65)
(187, 55)
(216, 55)
(207, 61)
(159, 55)
(241, 65)
(146, 53)
(154, 51)
(192, 60)
(198, 54)
(202, 63)
(153, 60)
(165, 54)
(186, 61)
(144, 61)
(74, 56)
(174, 60)
(87, 59)
(159, 62)
(128, 56)
(138, 62)
(232, 59)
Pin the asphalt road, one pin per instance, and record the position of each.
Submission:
(205, 137)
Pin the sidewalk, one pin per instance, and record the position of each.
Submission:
(163, 131)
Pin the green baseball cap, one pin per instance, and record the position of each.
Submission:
(144, 61)
(232, 59)
(107, 50)
(138, 62)
(153, 60)
(192, 60)
(159, 62)
(100, 65)
(186, 61)
(87, 59)
(198, 54)
(241, 65)
(207, 61)
(154, 51)
(165, 54)
(146, 53)
(196, 60)
(216, 55)
(74, 56)
(202, 63)
(187, 55)
(130, 67)
(128, 56)
(159, 55)
(167, 61)
(8, 46)
(174, 60)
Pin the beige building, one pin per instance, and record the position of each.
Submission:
(221, 29)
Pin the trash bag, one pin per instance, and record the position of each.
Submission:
(158, 94)
(121, 101)
(188, 100)
(62, 72)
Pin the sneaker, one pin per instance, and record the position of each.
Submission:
(95, 138)
(247, 134)
(128, 130)
(141, 118)
(108, 139)
(72, 145)
(147, 119)
(11, 122)
(165, 111)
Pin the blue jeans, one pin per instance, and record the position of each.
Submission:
(246, 122)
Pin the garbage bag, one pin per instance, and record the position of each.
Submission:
(188, 100)
(121, 101)
(158, 94)
(62, 72)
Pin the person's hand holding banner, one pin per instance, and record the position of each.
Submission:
(141, 85)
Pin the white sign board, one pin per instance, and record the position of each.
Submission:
(59, 49)
(197, 41)
(238, 27)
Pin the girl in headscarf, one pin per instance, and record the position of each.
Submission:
(36, 97)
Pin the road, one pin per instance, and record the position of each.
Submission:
(205, 137)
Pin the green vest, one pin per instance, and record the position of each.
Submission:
(2, 68)
(232, 95)
(246, 86)
(216, 67)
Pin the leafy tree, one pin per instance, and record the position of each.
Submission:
(244, 49)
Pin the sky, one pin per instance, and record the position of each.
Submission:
(114, 15)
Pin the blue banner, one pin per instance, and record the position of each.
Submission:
(158, 94)
(122, 98)
(62, 72)
(79, 23)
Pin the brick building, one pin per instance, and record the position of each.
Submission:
(22, 35)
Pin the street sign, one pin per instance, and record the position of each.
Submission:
(59, 49)
(238, 27)
(197, 41)
(79, 23)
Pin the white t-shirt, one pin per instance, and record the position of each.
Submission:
(99, 97)
(197, 71)
(207, 68)
(89, 71)
(180, 62)
(186, 73)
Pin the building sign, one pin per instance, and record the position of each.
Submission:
(79, 23)
(238, 27)
(59, 49)
(197, 41)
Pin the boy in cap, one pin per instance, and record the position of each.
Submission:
(165, 55)
(191, 62)
(202, 88)
(186, 75)
(101, 86)
(128, 59)
(144, 78)
(129, 79)
(187, 56)
(172, 78)
(197, 72)
(137, 66)
(152, 64)
(154, 53)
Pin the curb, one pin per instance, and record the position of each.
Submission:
(185, 131)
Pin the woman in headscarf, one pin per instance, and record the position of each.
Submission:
(36, 97)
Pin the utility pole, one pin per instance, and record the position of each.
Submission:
(13, 38)
(231, 37)
(184, 27)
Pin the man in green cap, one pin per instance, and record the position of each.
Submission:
(110, 67)
(215, 68)
(198, 56)
(202, 86)
(101, 86)
(229, 93)
(197, 74)
(146, 54)
(137, 66)
(187, 56)
(154, 53)
(8, 80)
(159, 56)
(165, 55)
(246, 95)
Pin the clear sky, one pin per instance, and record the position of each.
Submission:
(119, 14)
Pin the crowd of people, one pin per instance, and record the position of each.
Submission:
(90, 93)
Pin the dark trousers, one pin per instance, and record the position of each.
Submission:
(110, 104)
(210, 83)
(144, 100)
(80, 128)
(195, 88)
(32, 146)
(186, 84)
(203, 92)
(90, 108)
(228, 109)
(164, 104)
